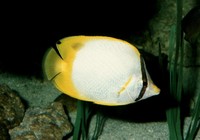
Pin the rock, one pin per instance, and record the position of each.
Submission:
(69, 102)
(49, 122)
(161, 24)
(11, 107)
(11, 110)
(191, 25)
(4, 133)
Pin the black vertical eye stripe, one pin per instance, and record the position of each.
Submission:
(144, 79)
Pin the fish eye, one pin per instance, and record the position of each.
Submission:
(58, 42)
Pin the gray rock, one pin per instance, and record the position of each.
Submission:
(161, 24)
(11, 107)
(4, 133)
(11, 110)
(67, 101)
(49, 122)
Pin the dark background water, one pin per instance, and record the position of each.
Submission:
(28, 29)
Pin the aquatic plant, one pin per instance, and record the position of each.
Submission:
(195, 121)
(175, 70)
(174, 118)
(85, 111)
(82, 118)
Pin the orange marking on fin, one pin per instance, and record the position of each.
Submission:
(77, 46)
(125, 85)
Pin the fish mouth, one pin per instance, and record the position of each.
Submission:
(144, 79)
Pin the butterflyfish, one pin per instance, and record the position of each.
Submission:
(99, 69)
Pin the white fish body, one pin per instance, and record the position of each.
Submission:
(103, 70)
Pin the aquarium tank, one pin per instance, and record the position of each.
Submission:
(100, 71)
